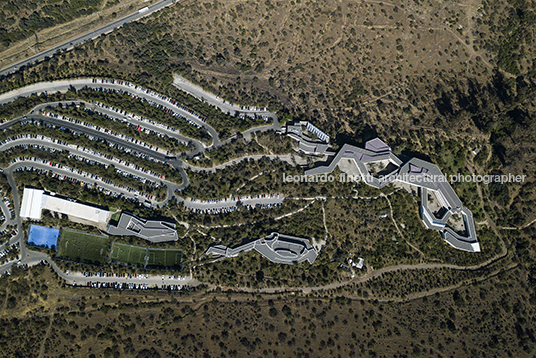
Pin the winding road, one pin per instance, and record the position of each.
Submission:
(29, 257)
(138, 14)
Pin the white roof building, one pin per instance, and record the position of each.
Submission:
(31, 204)
(35, 200)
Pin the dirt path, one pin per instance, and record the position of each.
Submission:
(398, 229)
(288, 158)
(325, 226)
(47, 333)
(368, 276)
(518, 227)
(262, 146)
(489, 221)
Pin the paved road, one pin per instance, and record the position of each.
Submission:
(32, 258)
(171, 188)
(79, 152)
(89, 131)
(89, 36)
(232, 202)
(197, 146)
(127, 193)
(29, 257)
(226, 107)
(7, 214)
(65, 85)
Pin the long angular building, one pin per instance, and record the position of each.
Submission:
(441, 209)
(282, 249)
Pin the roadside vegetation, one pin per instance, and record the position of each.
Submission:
(109, 173)
(443, 323)
(101, 147)
(144, 109)
(88, 116)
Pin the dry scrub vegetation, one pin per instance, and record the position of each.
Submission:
(40, 317)
(415, 73)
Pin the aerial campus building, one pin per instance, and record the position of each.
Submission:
(296, 131)
(150, 230)
(441, 209)
(282, 249)
(35, 200)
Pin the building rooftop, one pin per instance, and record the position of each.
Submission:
(422, 175)
(35, 200)
(307, 145)
(277, 248)
(377, 145)
(150, 230)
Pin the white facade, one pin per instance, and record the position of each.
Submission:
(35, 200)
(31, 207)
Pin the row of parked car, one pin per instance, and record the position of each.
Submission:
(136, 177)
(152, 94)
(230, 209)
(159, 106)
(117, 285)
(77, 181)
(107, 274)
(14, 246)
(236, 198)
(103, 130)
(131, 115)
(9, 207)
(9, 233)
(77, 148)
(136, 126)
(90, 137)
(133, 286)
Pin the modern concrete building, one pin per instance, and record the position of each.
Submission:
(150, 230)
(35, 200)
(308, 145)
(277, 248)
(378, 166)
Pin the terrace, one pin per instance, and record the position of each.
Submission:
(277, 248)
(374, 163)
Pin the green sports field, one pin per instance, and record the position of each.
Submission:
(82, 247)
(167, 258)
(126, 254)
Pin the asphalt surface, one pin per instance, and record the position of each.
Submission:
(79, 152)
(198, 147)
(65, 85)
(89, 131)
(83, 38)
(226, 107)
(29, 257)
(27, 163)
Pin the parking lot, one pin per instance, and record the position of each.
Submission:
(131, 281)
(228, 205)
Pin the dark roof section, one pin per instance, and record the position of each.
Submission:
(150, 230)
(282, 249)
(418, 173)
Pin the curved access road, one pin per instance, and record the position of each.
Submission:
(32, 258)
(91, 132)
(198, 146)
(97, 84)
(125, 191)
(86, 37)
(215, 101)
(48, 142)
